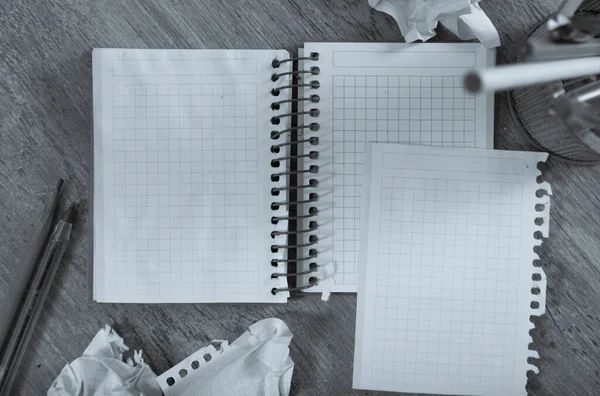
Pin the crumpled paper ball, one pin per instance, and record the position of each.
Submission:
(101, 371)
(418, 19)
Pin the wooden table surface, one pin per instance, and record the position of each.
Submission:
(45, 133)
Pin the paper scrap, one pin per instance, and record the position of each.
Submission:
(101, 371)
(418, 19)
(255, 364)
(326, 282)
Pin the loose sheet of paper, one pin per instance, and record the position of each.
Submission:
(255, 364)
(391, 93)
(446, 270)
(181, 182)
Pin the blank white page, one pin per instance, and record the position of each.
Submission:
(387, 93)
(182, 176)
(447, 282)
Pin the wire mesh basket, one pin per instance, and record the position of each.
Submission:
(531, 108)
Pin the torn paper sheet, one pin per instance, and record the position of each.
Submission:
(102, 372)
(418, 19)
(326, 282)
(256, 364)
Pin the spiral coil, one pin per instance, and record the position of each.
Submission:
(312, 169)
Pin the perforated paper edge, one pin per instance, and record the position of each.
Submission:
(189, 365)
(538, 277)
(175, 382)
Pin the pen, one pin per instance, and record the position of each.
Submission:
(31, 253)
(32, 307)
(507, 77)
(545, 50)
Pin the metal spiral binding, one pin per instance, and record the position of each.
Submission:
(313, 154)
(313, 85)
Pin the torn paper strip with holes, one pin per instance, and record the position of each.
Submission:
(418, 19)
(102, 372)
(256, 364)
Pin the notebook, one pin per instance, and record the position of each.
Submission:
(377, 92)
(211, 165)
(447, 280)
(183, 169)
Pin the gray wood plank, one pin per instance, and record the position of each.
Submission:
(45, 133)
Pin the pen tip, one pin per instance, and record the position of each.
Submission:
(70, 214)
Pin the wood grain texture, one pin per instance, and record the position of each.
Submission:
(45, 133)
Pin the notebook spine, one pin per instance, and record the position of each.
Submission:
(538, 277)
(282, 141)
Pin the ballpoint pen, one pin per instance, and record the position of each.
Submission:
(571, 35)
(33, 304)
(25, 267)
(567, 52)
(506, 77)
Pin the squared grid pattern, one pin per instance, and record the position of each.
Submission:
(246, 376)
(186, 189)
(255, 364)
(418, 110)
(447, 282)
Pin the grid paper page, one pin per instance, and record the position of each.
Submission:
(256, 364)
(447, 270)
(181, 185)
(388, 93)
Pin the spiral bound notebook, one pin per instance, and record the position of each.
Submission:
(375, 92)
(447, 277)
(194, 154)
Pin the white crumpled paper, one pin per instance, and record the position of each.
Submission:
(419, 18)
(102, 372)
(256, 364)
